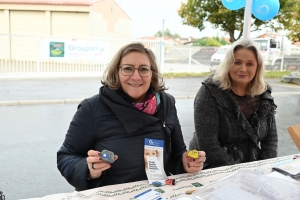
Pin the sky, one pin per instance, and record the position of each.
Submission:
(150, 16)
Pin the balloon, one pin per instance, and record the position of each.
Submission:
(234, 4)
(265, 9)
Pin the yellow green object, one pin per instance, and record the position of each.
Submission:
(193, 154)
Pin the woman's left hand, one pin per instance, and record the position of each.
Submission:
(193, 165)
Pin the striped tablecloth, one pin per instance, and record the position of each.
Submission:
(184, 182)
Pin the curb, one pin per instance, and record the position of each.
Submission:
(50, 76)
(40, 102)
(77, 101)
(62, 101)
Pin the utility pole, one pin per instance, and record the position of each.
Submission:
(247, 19)
(282, 53)
(162, 49)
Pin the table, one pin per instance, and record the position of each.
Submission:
(184, 182)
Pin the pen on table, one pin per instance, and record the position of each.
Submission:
(190, 191)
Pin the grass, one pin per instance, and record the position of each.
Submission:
(276, 74)
(268, 74)
(185, 75)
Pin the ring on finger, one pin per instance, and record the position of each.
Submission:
(93, 166)
(204, 159)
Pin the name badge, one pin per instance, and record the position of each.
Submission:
(154, 160)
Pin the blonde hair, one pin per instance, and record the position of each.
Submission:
(111, 77)
(221, 77)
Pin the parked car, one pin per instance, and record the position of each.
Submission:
(217, 57)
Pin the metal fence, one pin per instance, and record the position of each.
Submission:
(24, 53)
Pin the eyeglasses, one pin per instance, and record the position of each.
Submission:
(128, 70)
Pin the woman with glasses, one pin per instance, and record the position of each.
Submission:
(234, 111)
(131, 108)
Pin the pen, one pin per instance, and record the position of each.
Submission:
(190, 191)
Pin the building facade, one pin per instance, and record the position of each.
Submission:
(23, 21)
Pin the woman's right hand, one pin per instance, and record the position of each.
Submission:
(94, 159)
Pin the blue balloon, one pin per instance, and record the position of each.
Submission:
(234, 4)
(265, 9)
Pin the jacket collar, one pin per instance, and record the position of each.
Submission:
(226, 101)
(224, 98)
(131, 118)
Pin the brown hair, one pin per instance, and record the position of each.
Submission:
(111, 76)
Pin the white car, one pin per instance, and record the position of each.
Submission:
(217, 57)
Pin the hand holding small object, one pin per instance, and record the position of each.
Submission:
(193, 161)
(193, 154)
(107, 156)
(97, 163)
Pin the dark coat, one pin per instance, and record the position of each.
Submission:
(223, 132)
(108, 121)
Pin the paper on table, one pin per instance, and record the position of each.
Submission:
(281, 176)
(148, 195)
(248, 184)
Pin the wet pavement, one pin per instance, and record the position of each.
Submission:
(32, 134)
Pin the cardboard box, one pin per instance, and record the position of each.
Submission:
(294, 132)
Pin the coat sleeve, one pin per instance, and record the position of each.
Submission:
(71, 157)
(178, 147)
(270, 143)
(206, 119)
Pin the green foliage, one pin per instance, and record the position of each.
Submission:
(276, 74)
(214, 41)
(289, 19)
(196, 12)
(223, 41)
(185, 74)
(167, 33)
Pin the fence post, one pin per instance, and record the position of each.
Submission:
(37, 55)
(282, 54)
(190, 57)
(162, 49)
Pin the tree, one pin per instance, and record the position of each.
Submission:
(196, 12)
(289, 19)
(168, 33)
(214, 41)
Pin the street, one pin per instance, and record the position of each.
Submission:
(32, 134)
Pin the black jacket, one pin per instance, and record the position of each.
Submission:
(108, 121)
(223, 132)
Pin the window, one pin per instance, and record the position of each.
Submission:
(273, 43)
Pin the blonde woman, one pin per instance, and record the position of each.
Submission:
(234, 110)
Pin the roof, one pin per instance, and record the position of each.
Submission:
(265, 35)
(296, 44)
(52, 2)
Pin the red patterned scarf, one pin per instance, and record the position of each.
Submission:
(148, 106)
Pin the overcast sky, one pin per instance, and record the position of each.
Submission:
(148, 16)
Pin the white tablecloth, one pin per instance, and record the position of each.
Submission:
(184, 182)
